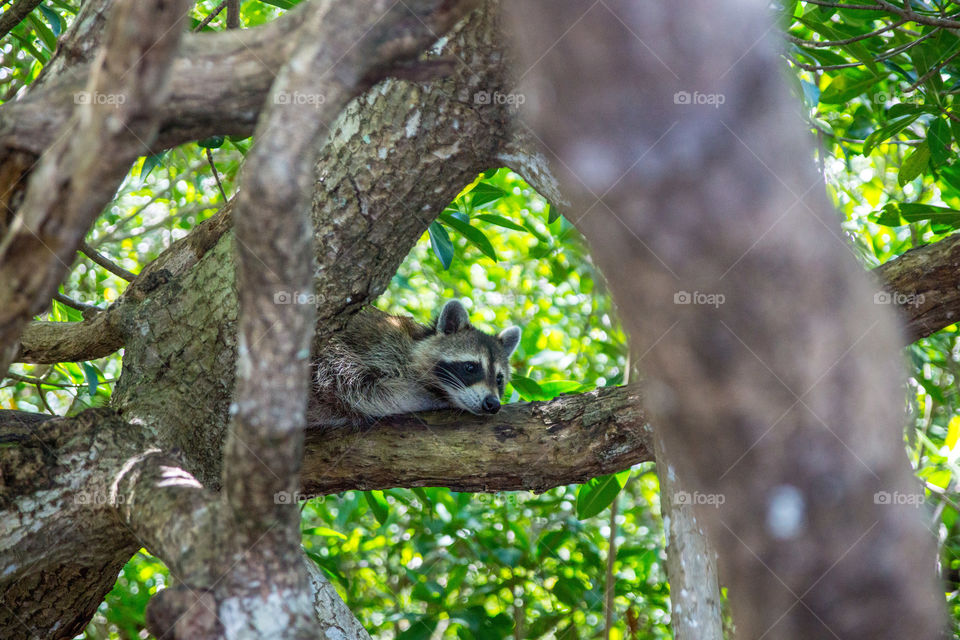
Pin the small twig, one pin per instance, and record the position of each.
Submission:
(935, 69)
(38, 381)
(116, 270)
(837, 5)
(825, 67)
(609, 584)
(214, 14)
(233, 14)
(216, 175)
(73, 304)
(838, 43)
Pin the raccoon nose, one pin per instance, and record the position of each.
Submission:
(490, 404)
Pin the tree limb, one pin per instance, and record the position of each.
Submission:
(783, 397)
(15, 13)
(81, 171)
(526, 447)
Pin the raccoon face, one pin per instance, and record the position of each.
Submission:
(468, 366)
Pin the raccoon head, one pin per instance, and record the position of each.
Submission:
(465, 365)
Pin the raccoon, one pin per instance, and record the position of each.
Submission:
(383, 365)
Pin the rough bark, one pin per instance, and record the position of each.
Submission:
(367, 213)
(43, 506)
(527, 446)
(784, 398)
(64, 518)
(924, 285)
(79, 173)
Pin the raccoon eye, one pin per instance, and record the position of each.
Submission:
(471, 367)
(500, 378)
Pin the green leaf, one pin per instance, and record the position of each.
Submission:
(485, 193)
(887, 131)
(323, 531)
(472, 234)
(149, 163)
(500, 221)
(939, 140)
(213, 142)
(889, 215)
(26, 44)
(378, 505)
(49, 40)
(57, 24)
(915, 212)
(423, 497)
(554, 388)
(914, 164)
(528, 388)
(552, 214)
(847, 86)
(441, 244)
(328, 567)
(597, 494)
(282, 4)
(92, 376)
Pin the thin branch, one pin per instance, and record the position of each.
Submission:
(233, 14)
(104, 262)
(216, 175)
(935, 69)
(837, 43)
(73, 304)
(211, 16)
(15, 15)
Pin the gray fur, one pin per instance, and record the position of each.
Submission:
(383, 365)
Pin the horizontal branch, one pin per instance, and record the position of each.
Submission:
(527, 446)
(924, 284)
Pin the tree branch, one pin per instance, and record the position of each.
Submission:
(527, 446)
(15, 14)
(81, 171)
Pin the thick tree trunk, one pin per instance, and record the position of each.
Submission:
(782, 395)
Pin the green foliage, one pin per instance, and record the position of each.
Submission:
(430, 562)
(889, 133)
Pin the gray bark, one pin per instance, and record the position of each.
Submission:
(783, 399)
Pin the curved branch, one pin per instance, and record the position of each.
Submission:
(82, 169)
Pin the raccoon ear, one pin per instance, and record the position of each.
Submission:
(452, 318)
(510, 338)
